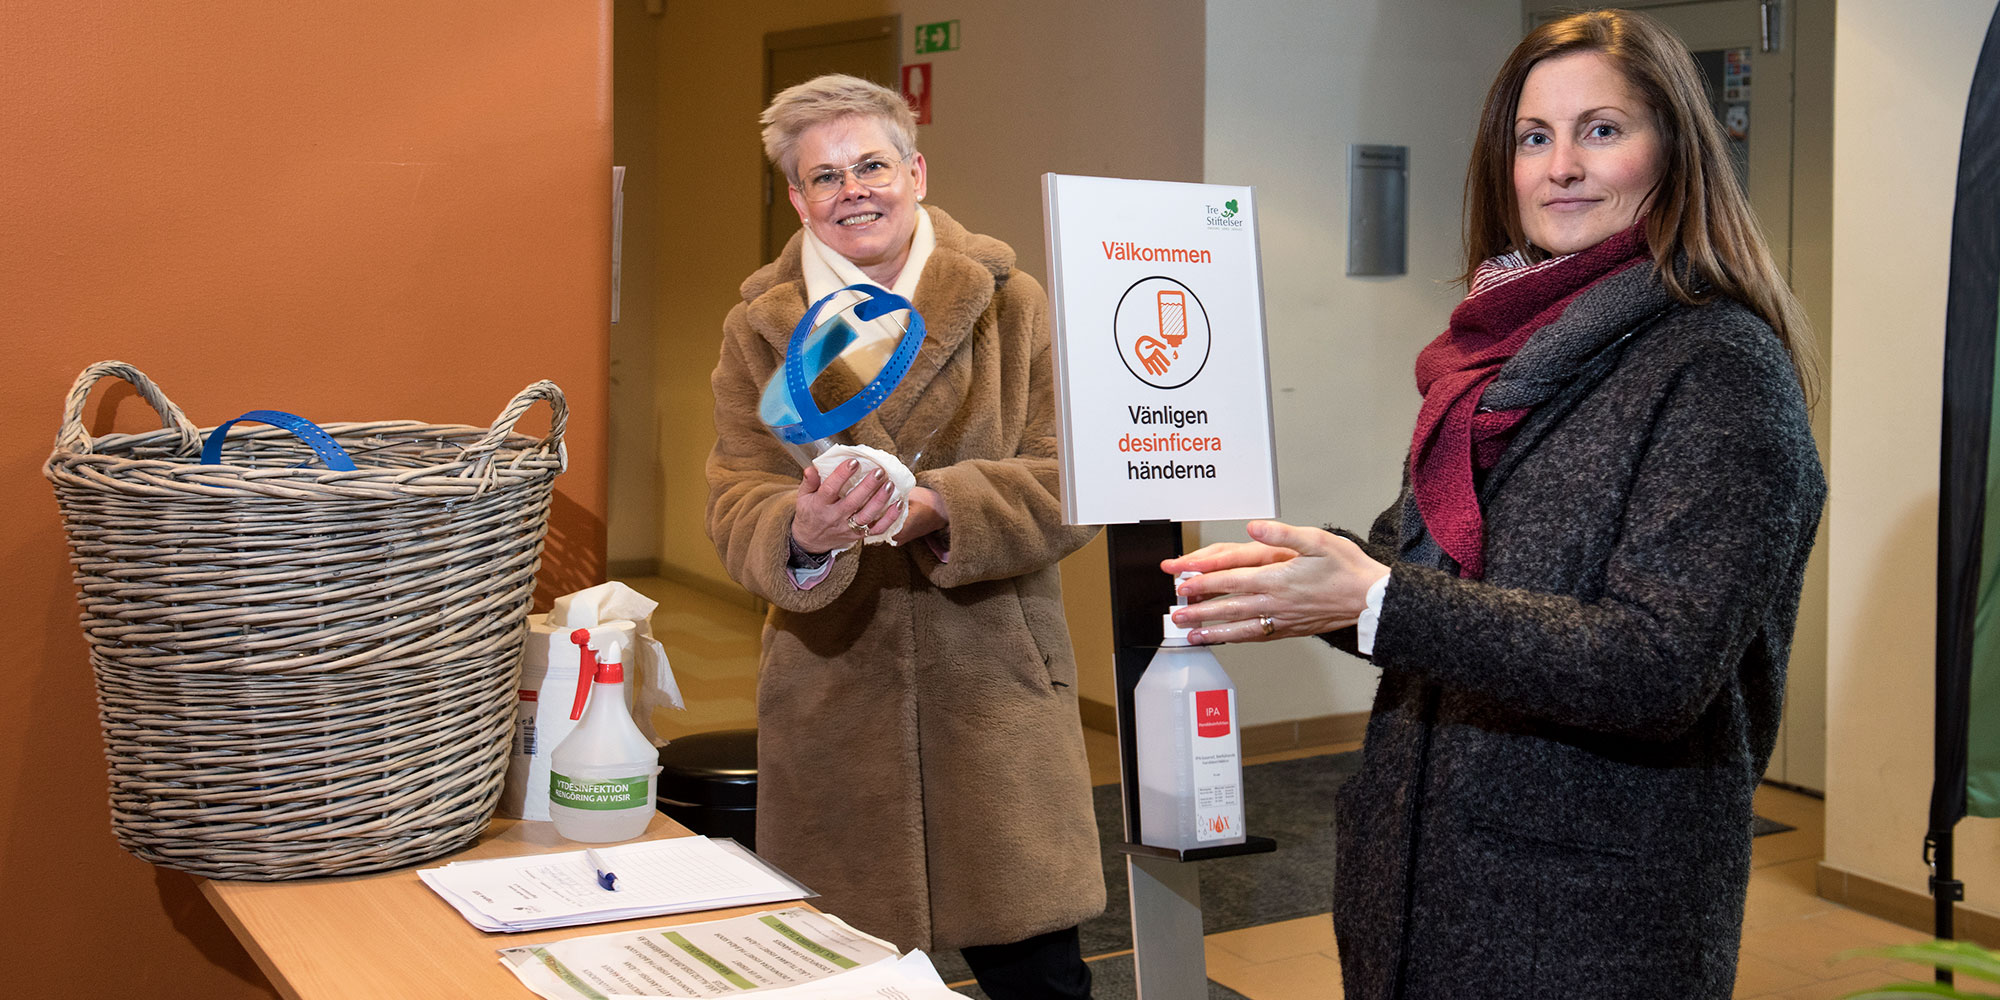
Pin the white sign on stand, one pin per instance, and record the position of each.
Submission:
(1161, 382)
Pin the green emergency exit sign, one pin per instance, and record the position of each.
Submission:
(941, 36)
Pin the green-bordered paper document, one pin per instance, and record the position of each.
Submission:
(794, 954)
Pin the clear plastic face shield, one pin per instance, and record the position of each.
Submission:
(874, 334)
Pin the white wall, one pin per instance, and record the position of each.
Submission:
(1901, 74)
(1290, 85)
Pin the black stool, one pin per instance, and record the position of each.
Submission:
(708, 783)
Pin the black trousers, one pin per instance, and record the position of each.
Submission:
(1044, 967)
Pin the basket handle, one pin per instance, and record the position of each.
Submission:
(323, 445)
(73, 438)
(481, 453)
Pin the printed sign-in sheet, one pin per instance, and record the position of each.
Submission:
(793, 953)
(654, 877)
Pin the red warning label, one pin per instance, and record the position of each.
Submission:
(1211, 713)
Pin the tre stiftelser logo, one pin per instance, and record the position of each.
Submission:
(1224, 217)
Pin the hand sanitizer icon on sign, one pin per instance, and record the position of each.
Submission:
(1170, 341)
(1173, 319)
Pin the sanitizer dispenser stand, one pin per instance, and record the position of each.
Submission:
(1166, 889)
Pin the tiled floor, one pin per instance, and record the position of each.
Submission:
(1791, 937)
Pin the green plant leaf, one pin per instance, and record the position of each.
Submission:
(1958, 956)
(1900, 991)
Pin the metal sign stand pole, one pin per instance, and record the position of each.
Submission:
(1167, 953)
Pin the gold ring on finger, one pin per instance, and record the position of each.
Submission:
(1269, 625)
(857, 529)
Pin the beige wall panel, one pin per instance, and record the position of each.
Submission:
(1812, 24)
(1290, 85)
(710, 89)
(1901, 73)
(633, 522)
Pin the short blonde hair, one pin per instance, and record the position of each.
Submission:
(824, 99)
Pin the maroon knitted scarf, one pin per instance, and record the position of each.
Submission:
(1509, 301)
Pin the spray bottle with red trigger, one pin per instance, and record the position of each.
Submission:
(601, 774)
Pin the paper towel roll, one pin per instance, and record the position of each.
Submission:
(901, 479)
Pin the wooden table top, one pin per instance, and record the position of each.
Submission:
(387, 935)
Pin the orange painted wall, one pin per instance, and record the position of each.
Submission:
(360, 210)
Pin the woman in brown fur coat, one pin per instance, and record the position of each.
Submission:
(920, 760)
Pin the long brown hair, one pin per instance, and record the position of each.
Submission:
(1704, 237)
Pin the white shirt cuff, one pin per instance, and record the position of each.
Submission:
(1371, 617)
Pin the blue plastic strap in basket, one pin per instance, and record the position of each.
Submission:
(323, 445)
(814, 348)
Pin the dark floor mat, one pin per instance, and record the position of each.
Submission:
(1760, 826)
(1289, 801)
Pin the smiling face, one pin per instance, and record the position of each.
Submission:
(1587, 154)
(870, 226)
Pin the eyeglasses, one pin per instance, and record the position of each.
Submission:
(876, 171)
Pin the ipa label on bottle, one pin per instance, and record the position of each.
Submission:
(1218, 792)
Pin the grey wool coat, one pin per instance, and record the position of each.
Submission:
(1556, 793)
(920, 760)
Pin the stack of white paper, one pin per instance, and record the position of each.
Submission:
(679, 875)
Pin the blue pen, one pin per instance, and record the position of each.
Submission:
(605, 876)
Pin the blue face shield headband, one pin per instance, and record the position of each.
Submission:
(787, 406)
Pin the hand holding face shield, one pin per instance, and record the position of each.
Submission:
(875, 335)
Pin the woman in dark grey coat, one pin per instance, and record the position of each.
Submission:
(1583, 601)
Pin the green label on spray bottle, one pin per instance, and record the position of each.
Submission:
(608, 793)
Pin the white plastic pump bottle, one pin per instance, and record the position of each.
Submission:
(1190, 764)
(601, 774)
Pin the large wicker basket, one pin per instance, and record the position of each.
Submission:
(304, 672)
